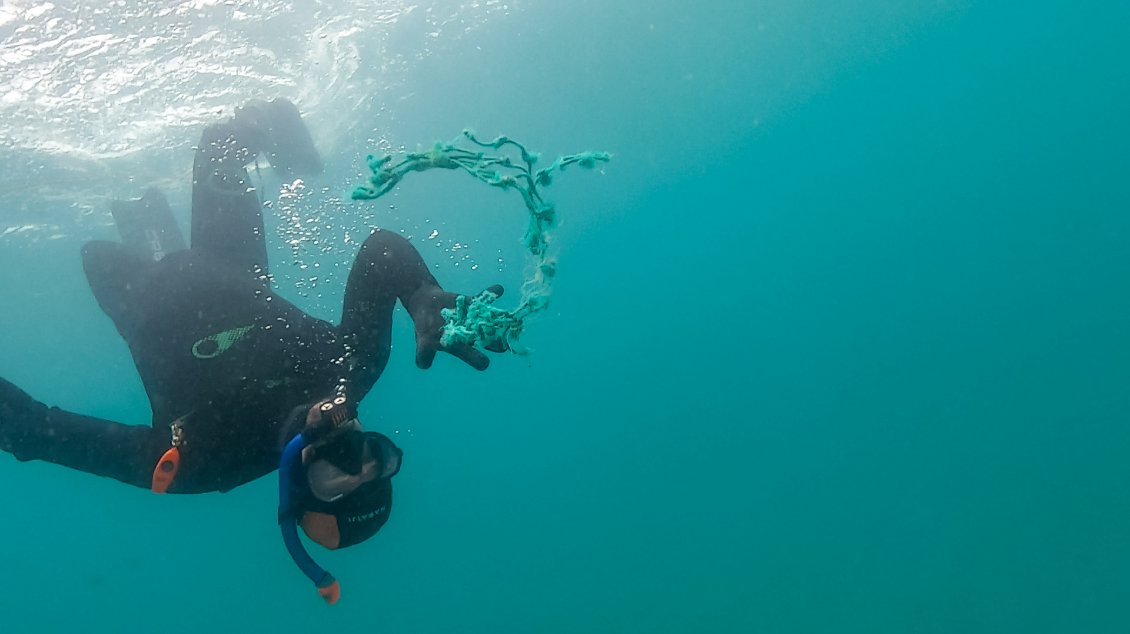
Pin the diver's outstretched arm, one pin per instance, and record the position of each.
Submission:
(388, 268)
(383, 271)
(30, 430)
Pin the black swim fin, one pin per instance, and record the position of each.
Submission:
(285, 139)
(147, 226)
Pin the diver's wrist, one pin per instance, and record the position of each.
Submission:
(427, 295)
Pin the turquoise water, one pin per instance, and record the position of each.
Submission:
(839, 341)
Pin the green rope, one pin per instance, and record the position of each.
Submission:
(478, 320)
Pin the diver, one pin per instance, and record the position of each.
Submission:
(240, 381)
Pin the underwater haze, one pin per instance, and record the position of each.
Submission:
(838, 343)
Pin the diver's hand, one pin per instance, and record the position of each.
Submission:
(329, 589)
(18, 412)
(424, 306)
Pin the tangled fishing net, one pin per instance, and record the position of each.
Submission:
(477, 319)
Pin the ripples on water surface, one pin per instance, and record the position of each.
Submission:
(98, 100)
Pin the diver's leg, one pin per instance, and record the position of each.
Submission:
(227, 219)
(29, 430)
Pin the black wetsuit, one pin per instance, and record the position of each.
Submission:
(216, 348)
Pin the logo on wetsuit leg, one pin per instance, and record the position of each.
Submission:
(213, 346)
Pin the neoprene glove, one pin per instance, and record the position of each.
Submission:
(424, 307)
(19, 412)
